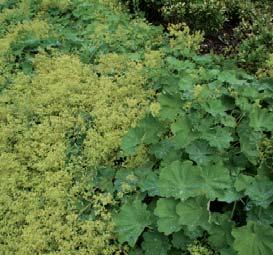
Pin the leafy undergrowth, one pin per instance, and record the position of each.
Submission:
(70, 87)
(239, 29)
(117, 138)
(209, 174)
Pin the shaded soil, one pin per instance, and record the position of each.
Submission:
(224, 42)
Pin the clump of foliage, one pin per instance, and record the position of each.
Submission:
(68, 93)
(209, 175)
(239, 28)
(117, 138)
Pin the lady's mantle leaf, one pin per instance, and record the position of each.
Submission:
(182, 131)
(132, 140)
(180, 240)
(131, 221)
(219, 138)
(253, 239)
(261, 119)
(168, 221)
(261, 215)
(261, 191)
(217, 181)
(193, 212)
(170, 106)
(155, 243)
(200, 152)
(180, 180)
(147, 132)
(220, 231)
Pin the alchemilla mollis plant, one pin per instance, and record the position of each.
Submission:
(119, 138)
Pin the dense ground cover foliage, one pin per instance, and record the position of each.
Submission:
(119, 138)
(62, 117)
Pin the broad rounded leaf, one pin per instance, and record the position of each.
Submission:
(261, 191)
(220, 231)
(261, 119)
(200, 152)
(170, 106)
(193, 212)
(168, 219)
(219, 138)
(131, 221)
(182, 131)
(155, 243)
(217, 181)
(180, 180)
(253, 239)
(180, 240)
(131, 140)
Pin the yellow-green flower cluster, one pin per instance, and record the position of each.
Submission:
(38, 192)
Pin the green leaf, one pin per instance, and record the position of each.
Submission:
(193, 212)
(228, 121)
(260, 191)
(104, 179)
(228, 251)
(152, 130)
(219, 137)
(220, 231)
(182, 130)
(230, 77)
(148, 132)
(186, 83)
(168, 220)
(170, 157)
(180, 180)
(180, 240)
(243, 181)
(249, 141)
(155, 243)
(216, 181)
(150, 184)
(193, 232)
(131, 221)
(162, 149)
(261, 119)
(215, 107)
(131, 140)
(253, 239)
(200, 152)
(170, 106)
(136, 252)
(261, 215)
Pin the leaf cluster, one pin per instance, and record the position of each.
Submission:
(210, 175)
